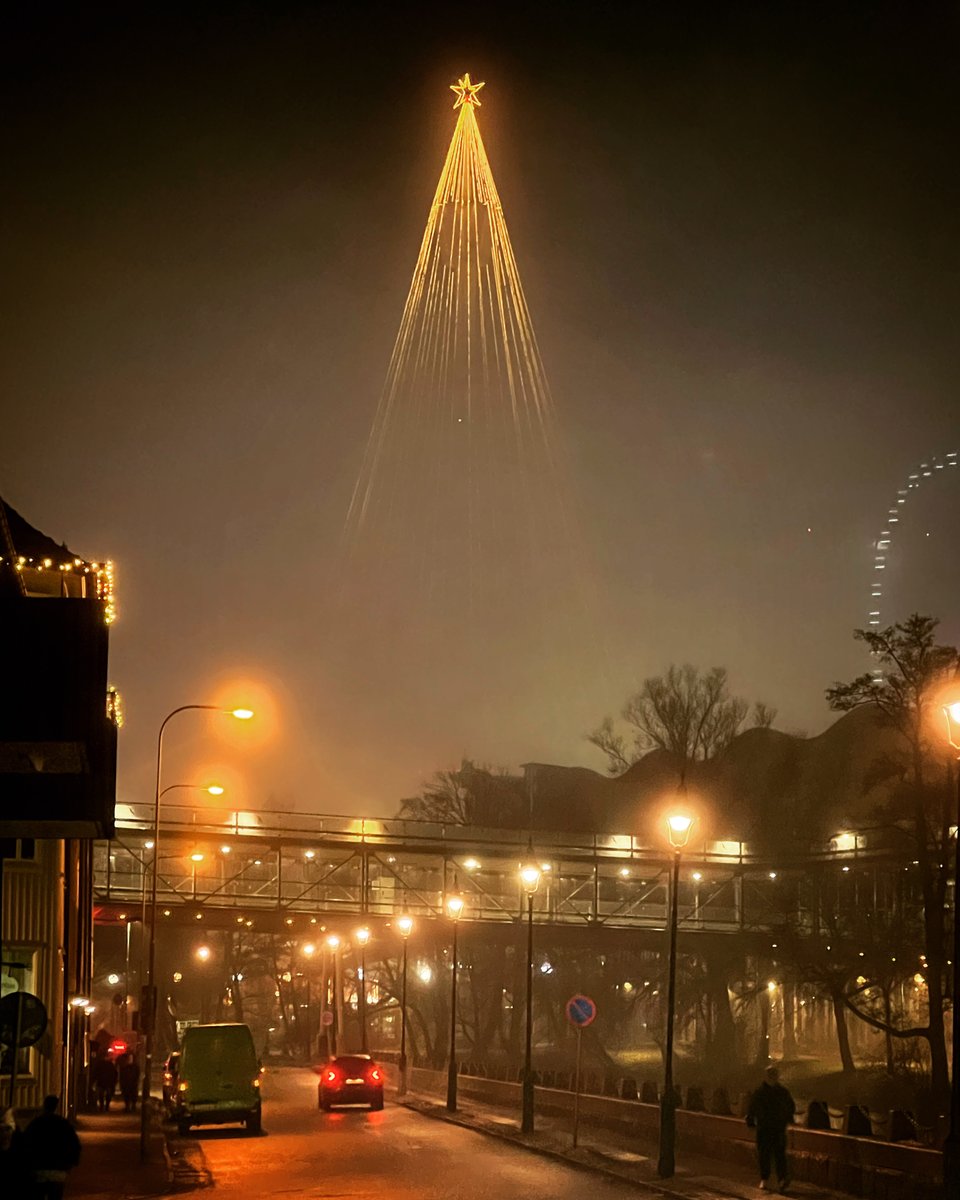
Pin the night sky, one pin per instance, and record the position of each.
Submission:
(737, 230)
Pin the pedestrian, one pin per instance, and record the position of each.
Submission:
(106, 1082)
(51, 1148)
(771, 1111)
(129, 1078)
(13, 1167)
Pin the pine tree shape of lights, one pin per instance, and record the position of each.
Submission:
(459, 485)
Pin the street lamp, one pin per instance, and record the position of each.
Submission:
(530, 880)
(361, 937)
(678, 830)
(454, 906)
(405, 925)
(333, 945)
(951, 1147)
(149, 1014)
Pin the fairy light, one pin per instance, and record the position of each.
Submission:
(102, 574)
(466, 412)
(926, 470)
(115, 711)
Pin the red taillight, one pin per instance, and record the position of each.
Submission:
(376, 1076)
(330, 1077)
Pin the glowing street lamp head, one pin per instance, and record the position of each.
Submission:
(466, 92)
(197, 858)
(362, 935)
(242, 714)
(203, 953)
(405, 925)
(309, 949)
(455, 905)
(333, 941)
(215, 789)
(530, 877)
(678, 828)
(952, 713)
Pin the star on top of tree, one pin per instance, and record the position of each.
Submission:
(466, 91)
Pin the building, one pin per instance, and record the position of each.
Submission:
(58, 753)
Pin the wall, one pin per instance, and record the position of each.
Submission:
(859, 1166)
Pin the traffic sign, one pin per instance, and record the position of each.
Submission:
(581, 1011)
(23, 1019)
(326, 1018)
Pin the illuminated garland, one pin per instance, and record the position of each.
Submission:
(103, 573)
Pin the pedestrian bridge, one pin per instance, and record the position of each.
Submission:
(267, 870)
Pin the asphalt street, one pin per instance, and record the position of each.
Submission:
(354, 1154)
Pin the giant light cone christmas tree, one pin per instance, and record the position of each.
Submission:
(459, 526)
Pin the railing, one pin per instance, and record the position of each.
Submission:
(287, 864)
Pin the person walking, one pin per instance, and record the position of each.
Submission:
(129, 1078)
(51, 1149)
(770, 1111)
(106, 1081)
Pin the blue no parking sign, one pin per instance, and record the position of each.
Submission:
(581, 1011)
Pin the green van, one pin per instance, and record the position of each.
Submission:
(219, 1077)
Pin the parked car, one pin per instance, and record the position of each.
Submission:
(219, 1078)
(171, 1077)
(350, 1079)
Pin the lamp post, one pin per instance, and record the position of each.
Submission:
(951, 1147)
(333, 945)
(212, 789)
(454, 906)
(405, 925)
(361, 937)
(149, 1014)
(530, 880)
(678, 830)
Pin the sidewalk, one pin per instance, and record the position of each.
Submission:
(608, 1153)
(110, 1166)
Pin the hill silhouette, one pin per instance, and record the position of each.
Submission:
(770, 788)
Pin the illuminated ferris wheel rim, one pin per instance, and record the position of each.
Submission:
(924, 470)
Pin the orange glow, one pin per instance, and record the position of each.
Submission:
(678, 828)
(247, 694)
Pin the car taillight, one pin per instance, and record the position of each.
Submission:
(376, 1075)
(330, 1077)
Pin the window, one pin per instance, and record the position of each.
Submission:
(17, 973)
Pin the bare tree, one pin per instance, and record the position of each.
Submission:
(468, 795)
(687, 712)
(764, 715)
(913, 670)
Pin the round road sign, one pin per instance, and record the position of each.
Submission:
(326, 1019)
(32, 1021)
(581, 1011)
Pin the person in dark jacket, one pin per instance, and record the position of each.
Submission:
(106, 1082)
(129, 1078)
(14, 1178)
(51, 1148)
(771, 1110)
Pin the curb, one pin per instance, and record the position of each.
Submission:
(430, 1109)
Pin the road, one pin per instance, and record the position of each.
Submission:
(354, 1154)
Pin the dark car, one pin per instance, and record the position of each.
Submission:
(350, 1079)
(171, 1077)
